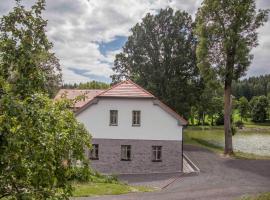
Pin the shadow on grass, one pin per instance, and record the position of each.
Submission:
(207, 144)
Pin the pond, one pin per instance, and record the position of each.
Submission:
(251, 143)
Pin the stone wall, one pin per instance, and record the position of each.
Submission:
(141, 156)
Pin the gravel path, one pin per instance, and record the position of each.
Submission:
(220, 179)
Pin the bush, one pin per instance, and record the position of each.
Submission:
(220, 119)
(239, 124)
(233, 129)
(80, 174)
(85, 174)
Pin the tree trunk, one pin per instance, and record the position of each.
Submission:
(227, 118)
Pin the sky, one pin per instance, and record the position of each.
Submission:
(87, 34)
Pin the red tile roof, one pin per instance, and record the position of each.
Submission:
(126, 89)
(73, 93)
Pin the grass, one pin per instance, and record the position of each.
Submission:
(265, 196)
(209, 137)
(96, 189)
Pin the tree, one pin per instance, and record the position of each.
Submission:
(26, 61)
(160, 56)
(39, 138)
(268, 98)
(227, 31)
(243, 108)
(259, 107)
(87, 85)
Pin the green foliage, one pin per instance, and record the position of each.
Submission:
(239, 124)
(83, 174)
(259, 107)
(27, 63)
(160, 56)
(87, 85)
(220, 119)
(243, 108)
(39, 139)
(252, 86)
(227, 32)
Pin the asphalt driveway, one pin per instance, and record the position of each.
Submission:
(220, 179)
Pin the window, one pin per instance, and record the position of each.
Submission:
(125, 152)
(156, 153)
(136, 118)
(113, 117)
(94, 152)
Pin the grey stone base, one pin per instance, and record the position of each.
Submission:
(141, 157)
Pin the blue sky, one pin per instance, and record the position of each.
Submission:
(87, 34)
(116, 44)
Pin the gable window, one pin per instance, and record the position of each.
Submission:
(94, 152)
(113, 117)
(136, 118)
(156, 153)
(125, 152)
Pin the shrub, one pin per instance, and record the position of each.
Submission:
(85, 174)
(239, 124)
(220, 119)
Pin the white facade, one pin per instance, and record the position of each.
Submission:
(156, 124)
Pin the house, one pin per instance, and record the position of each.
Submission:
(132, 131)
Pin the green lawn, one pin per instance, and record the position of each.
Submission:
(96, 189)
(265, 196)
(209, 137)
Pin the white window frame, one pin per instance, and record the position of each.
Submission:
(136, 118)
(113, 117)
(156, 153)
(125, 151)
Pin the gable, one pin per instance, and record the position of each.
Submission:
(123, 90)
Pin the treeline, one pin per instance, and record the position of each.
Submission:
(250, 101)
(87, 85)
(253, 86)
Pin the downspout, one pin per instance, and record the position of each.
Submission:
(182, 147)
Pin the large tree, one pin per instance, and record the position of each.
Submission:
(26, 60)
(39, 138)
(227, 32)
(160, 56)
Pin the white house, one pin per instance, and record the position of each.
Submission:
(132, 131)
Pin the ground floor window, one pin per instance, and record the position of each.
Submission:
(94, 152)
(125, 152)
(156, 153)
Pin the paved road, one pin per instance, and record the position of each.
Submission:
(220, 179)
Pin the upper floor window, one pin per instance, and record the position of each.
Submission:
(156, 153)
(126, 152)
(94, 152)
(136, 118)
(113, 117)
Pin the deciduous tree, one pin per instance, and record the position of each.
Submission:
(227, 31)
(259, 107)
(38, 137)
(27, 62)
(243, 108)
(160, 56)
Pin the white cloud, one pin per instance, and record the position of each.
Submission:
(77, 26)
